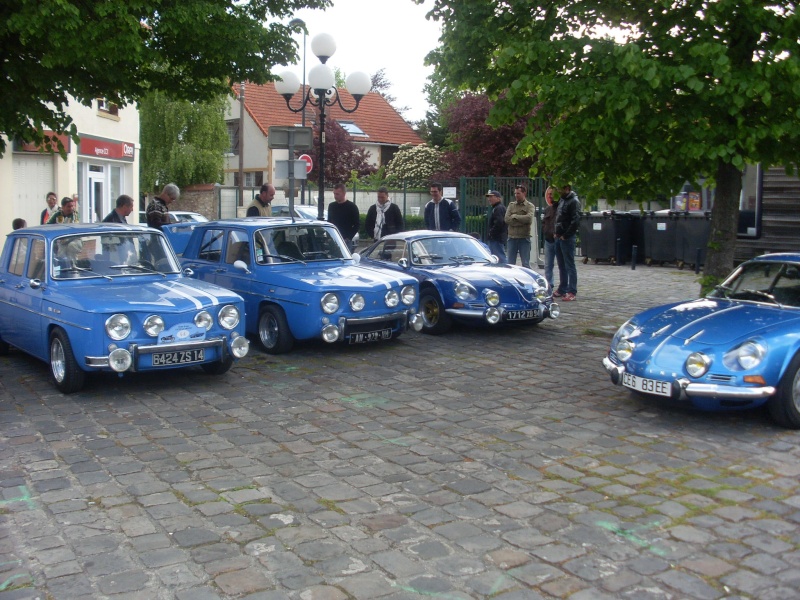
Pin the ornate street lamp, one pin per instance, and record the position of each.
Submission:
(322, 93)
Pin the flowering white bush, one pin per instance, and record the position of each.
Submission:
(415, 164)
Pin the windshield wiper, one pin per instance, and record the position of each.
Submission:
(138, 268)
(82, 270)
(283, 256)
(462, 258)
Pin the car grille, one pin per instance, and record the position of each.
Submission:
(720, 378)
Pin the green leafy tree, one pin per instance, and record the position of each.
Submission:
(415, 165)
(53, 51)
(182, 142)
(684, 90)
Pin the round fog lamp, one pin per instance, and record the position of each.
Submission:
(330, 333)
(239, 346)
(493, 316)
(120, 360)
(555, 311)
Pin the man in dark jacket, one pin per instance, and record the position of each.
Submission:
(121, 212)
(498, 230)
(441, 214)
(344, 214)
(383, 217)
(568, 218)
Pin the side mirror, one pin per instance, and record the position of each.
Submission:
(241, 265)
(187, 272)
(356, 257)
(403, 262)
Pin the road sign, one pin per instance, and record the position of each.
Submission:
(282, 137)
(309, 162)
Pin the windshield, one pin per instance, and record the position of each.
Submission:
(299, 244)
(111, 255)
(767, 282)
(448, 250)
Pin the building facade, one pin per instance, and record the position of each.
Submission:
(101, 166)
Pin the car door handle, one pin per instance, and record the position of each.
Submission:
(220, 270)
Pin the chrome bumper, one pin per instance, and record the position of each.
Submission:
(136, 350)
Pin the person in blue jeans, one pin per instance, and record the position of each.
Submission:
(568, 218)
(549, 235)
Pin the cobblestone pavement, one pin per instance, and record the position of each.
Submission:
(480, 464)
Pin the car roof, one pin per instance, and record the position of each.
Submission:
(56, 230)
(778, 257)
(425, 233)
(262, 222)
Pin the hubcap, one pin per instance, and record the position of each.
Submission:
(57, 360)
(796, 391)
(430, 313)
(268, 331)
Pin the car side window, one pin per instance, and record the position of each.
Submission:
(36, 264)
(211, 245)
(238, 247)
(18, 255)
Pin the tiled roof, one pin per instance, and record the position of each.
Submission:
(375, 116)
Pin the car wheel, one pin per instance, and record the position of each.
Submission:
(273, 330)
(784, 406)
(434, 319)
(67, 376)
(218, 367)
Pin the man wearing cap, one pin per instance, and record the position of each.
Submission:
(498, 230)
(519, 218)
(66, 214)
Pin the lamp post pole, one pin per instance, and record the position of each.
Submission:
(322, 93)
(241, 143)
(293, 23)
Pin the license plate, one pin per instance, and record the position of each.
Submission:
(370, 336)
(647, 386)
(179, 357)
(521, 315)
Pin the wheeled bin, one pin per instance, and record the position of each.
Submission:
(691, 238)
(605, 236)
(657, 236)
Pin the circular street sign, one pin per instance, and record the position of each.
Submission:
(309, 162)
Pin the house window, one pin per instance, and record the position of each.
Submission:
(251, 179)
(233, 137)
(104, 106)
(351, 128)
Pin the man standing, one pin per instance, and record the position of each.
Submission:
(158, 209)
(66, 214)
(261, 204)
(498, 229)
(383, 217)
(123, 209)
(51, 209)
(344, 214)
(76, 208)
(549, 235)
(519, 218)
(568, 219)
(440, 213)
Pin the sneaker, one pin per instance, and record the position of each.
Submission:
(557, 294)
(568, 297)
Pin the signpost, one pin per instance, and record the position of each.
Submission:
(309, 162)
(291, 138)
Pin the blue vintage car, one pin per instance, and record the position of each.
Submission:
(110, 297)
(299, 281)
(739, 347)
(460, 280)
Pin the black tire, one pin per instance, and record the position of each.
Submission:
(435, 320)
(784, 406)
(273, 330)
(65, 373)
(4, 348)
(219, 367)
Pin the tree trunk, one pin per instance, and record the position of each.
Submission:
(724, 225)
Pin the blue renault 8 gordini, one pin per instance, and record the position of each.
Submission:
(109, 297)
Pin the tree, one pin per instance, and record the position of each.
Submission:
(342, 156)
(415, 165)
(381, 85)
(686, 89)
(57, 50)
(182, 142)
(477, 149)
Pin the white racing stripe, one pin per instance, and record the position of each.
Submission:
(386, 278)
(185, 291)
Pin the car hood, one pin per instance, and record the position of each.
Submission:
(349, 277)
(486, 276)
(169, 295)
(710, 321)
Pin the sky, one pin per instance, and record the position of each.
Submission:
(377, 34)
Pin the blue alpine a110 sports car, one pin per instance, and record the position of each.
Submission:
(460, 280)
(110, 297)
(739, 347)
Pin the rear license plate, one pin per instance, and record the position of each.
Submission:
(179, 357)
(521, 315)
(370, 336)
(647, 386)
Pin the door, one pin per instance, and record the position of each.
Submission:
(97, 205)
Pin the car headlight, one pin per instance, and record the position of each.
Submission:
(118, 327)
(492, 316)
(153, 325)
(329, 303)
(203, 320)
(697, 364)
(408, 295)
(228, 317)
(357, 302)
(492, 298)
(745, 356)
(465, 291)
(624, 349)
(541, 293)
(392, 298)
